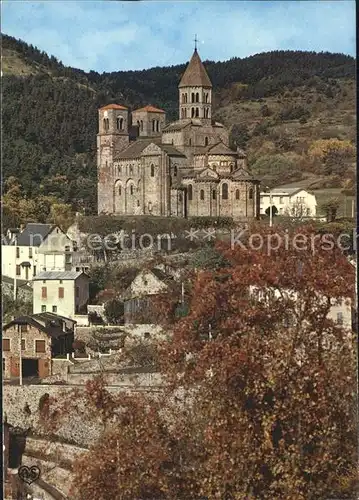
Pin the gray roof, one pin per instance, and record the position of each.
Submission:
(58, 275)
(10, 281)
(195, 74)
(137, 147)
(177, 125)
(286, 190)
(50, 328)
(50, 316)
(241, 173)
(34, 234)
(221, 149)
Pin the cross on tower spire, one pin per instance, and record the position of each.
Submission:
(195, 42)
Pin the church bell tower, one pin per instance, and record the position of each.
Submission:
(195, 91)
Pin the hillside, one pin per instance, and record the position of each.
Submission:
(278, 105)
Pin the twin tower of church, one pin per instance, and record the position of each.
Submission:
(186, 168)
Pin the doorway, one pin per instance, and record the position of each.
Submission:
(30, 368)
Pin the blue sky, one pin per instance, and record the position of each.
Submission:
(114, 36)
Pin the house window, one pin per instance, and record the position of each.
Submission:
(34, 271)
(152, 170)
(6, 344)
(18, 270)
(77, 291)
(43, 309)
(17, 252)
(30, 252)
(237, 194)
(23, 328)
(61, 292)
(225, 191)
(202, 194)
(23, 345)
(54, 309)
(214, 194)
(190, 192)
(60, 282)
(40, 345)
(251, 194)
(340, 318)
(44, 281)
(44, 292)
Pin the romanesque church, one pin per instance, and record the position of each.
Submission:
(184, 168)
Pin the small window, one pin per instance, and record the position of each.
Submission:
(18, 270)
(152, 170)
(54, 309)
(119, 190)
(131, 189)
(190, 192)
(23, 328)
(106, 124)
(197, 97)
(251, 194)
(206, 141)
(193, 97)
(23, 345)
(237, 194)
(119, 170)
(44, 292)
(197, 112)
(131, 170)
(17, 252)
(214, 194)
(43, 309)
(202, 194)
(175, 171)
(6, 344)
(60, 282)
(61, 292)
(225, 191)
(44, 281)
(34, 271)
(147, 335)
(30, 252)
(40, 345)
(3, 364)
(340, 318)
(138, 203)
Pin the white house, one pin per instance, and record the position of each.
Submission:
(65, 293)
(39, 247)
(294, 202)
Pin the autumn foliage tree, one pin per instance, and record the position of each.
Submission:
(258, 399)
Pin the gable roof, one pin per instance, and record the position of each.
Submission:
(113, 106)
(177, 125)
(241, 173)
(58, 275)
(51, 330)
(221, 149)
(137, 147)
(34, 234)
(195, 74)
(149, 109)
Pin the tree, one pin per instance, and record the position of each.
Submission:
(62, 215)
(114, 311)
(331, 208)
(266, 409)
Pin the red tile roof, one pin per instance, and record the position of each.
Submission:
(150, 109)
(113, 106)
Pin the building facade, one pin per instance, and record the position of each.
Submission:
(65, 293)
(184, 168)
(292, 202)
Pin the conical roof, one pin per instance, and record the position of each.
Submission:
(195, 74)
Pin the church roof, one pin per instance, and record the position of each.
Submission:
(177, 125)
(195, 74)
(135, 149)
(113, 106)
(221, 149)
(150, 109)
(241, 173)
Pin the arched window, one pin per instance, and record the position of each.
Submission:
(175, 171)
(206, 97)
(119, 123)
(250, 196)
(106, 124)
(192, 112)
(193, 97)
(190, 192)
(190, 142)
(202, 194)
(197, 97)
(225, 191)
(131, 170)
(185, 113)
(138, 203)
(180, 197)
(237, 194)
(119, 190)
(153, 125)
(131, 189)
(214, 194)
(152, 170)
(158, 125)
(142, 125)
(119, 170)
(197, 112)
(206, 141)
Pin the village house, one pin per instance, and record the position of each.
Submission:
(38, 247)
(293, 202)
(61, 292)
(36, 339)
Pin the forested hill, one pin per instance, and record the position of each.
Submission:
(275, 103)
